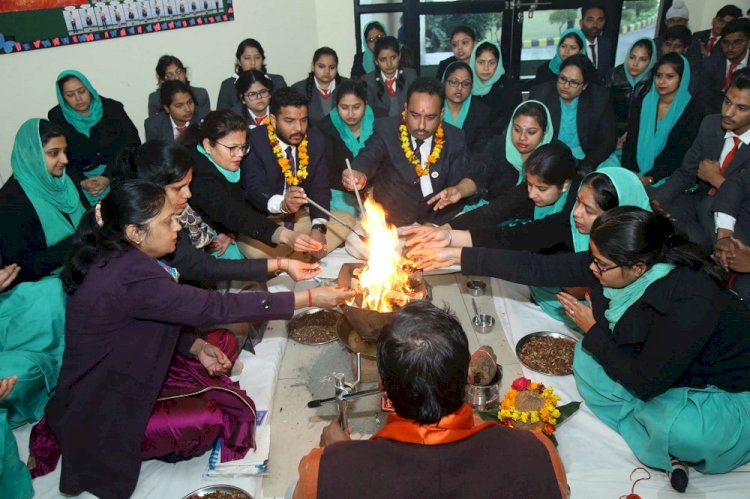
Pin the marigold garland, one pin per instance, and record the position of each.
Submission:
(302, 158)
(409, 152)
(547, 414)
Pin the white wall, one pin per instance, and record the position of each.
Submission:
(123, 69)
(702, 11)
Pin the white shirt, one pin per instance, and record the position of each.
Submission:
(254, 116)
(331, 86)
(274, 202)
(740, 65)
(176, 133)
(425, 181)
(722, 220)
(589, 53)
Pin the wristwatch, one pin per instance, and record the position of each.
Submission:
(320, 228)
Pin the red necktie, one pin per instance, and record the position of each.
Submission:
(325, 93)
(180, 129)
(259, 121)
(390, 86)
(727, 161)
(730, 72)
(710, 44)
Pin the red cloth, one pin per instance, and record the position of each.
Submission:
(710, 44)
(727, 161)
(390, 86)
(728, 78)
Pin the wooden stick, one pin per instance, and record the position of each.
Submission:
(327, 212)
(356, 191)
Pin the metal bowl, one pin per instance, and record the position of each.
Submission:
(209, 489)
(541, 334)
(476, 287)
(483, 323)
(309, 311)
(353, 342)
(483, 397)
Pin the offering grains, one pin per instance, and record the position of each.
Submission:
(548, 355)
(313, 328)
(220, 495)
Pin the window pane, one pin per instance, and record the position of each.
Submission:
(436, 44)
(638, 21)
(391, 21)
(378, 2)
(541, 35)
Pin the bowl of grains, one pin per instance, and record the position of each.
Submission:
(547, 352)
(314, 326)
(219, 491)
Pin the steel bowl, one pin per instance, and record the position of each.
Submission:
(482, 397)
(209, 489)
(483, 323)
(353, 342)
(476, 287)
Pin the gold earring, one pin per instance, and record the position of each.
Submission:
(139, 242)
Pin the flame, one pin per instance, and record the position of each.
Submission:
(384, 283)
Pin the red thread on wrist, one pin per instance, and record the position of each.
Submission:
(309, 298)
(278, 264)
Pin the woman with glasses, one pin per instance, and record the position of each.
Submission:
(490, 84)
(96, 128)
(664, 360)
(664, 123)
(581, 113)
(572, 42)
(321, 84)
(346, 129)
(364, 60)
(249, 55)
(217, 146)
(169, 68)
(631, 80)
(562, 232)
(460, 109)
(254, 89)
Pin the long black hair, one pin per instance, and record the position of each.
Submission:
(533, 110)
(554, 163)
(215, 126)
(247, 43)
(604, 190)
(388, 42)
(628, 235)
(156, 161)
(311, 76)
(351, 87)
(246, 80)
(163, 63)
(48, 131)
(133, 202)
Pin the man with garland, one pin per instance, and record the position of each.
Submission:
(412, 157)
(433, 446)
(286, 166)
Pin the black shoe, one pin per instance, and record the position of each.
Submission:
(679, 475)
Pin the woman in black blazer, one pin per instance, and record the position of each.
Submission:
(491, 86)
(461, 109)
(586, 124)
(249, 55)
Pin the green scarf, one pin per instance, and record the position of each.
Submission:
(368, 58)
(653, 133)
(365, 130)
(82, 123)
(630, 192)
(620, 299)
(556, 207)
(447, 115)
(483, 88)
(51, 196)
(512, 155)
(232, 177)
(633, 80)
(555, 62)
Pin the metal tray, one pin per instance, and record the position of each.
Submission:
(312, 311)
(204, 491)
(541, 334)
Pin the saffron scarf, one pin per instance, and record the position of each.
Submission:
(555, 62)
(232, 177)
(82, 123)
(512, 155)
(653, 133)
(483, 88)
(620, 299)
(51, 196)
(365, 130)
(451, 428)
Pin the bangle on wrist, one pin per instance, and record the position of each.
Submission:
(450, 237)
(309, 298)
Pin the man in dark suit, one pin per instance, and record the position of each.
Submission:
(716, 70)
(599, 48)
(408, 159)
(709, 38)
(285, 167)
(179, 110)
(732, 217)
(720, 152)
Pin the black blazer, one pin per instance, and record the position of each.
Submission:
(159, 126)
(502, 99)
(228, 93)
(708, 144)
(443, 66)
(315, 109)
(490, 170)
(22, 238)
(603, 56)
(710, 88)
(394, 179)
(379, 99)
(262, 177)
(596, 132)
(114, 132)
(704, 36)
(358, 69)
(678, 142)
(221, 203)
(733, 198)
(624, 96)
(685, 331)
(477, 125)
(202, 102)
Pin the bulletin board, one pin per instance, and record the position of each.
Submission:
(37, 24)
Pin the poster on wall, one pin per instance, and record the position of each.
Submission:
(36, 24)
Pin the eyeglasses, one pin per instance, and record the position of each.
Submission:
(173, 76)
(459, 83)
(260, 94)
(599, 266)
(236, 150)
(375, 38)
(725, 42)
(565, 82)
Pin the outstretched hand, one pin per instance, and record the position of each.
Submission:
(435, 258)
(426, 236)
(214, 360)
(8, 274)
(446, 197)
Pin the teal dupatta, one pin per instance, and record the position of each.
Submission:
(512, 155)
(464, 111)
(232, 177)
(556, 61)
(634, 80)
(479, 87)
(351, 142)
(80, 122)
(620, 299)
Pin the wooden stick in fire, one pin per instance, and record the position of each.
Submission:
(327, 212)
(356, 190)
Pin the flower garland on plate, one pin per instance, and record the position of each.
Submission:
(302, 158)
(540, 402)
(409, 152)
